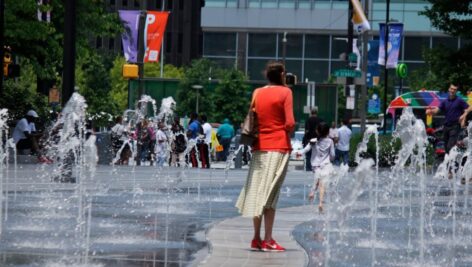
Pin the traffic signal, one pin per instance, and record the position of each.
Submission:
(10, 70)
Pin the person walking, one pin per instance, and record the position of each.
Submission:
(342, 146)
(161, 145)
(193, 133)
(455, 110)
(258, 199)
(310, 132)
(225, 133)
(322, 153)
(179, 143)
(205, 146)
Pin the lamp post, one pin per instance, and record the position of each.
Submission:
(284, 47)
(387, 19)
(197, 87)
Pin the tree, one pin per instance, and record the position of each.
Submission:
(453, 17)
(199, 73)
(119, 85)
(21, 96)
(445, 65)
(94, 84)
(232, 96)
(41, 42)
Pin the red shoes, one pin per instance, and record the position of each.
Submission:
(256, 244)
(271, 246)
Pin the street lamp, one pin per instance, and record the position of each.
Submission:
(197, 87)
(284, 43)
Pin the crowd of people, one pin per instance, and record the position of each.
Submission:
(155, 143)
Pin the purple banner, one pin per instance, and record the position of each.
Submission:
(395, 32)
(130, 20)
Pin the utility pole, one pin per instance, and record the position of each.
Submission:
(2, 41)
(284, 48)
(141, 36)
(162, 45)
(365, 40)
(387, 20)
(350, 36)
(68, 59)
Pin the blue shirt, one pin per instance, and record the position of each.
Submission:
(453, 109)
(226, 131)
(193, 128)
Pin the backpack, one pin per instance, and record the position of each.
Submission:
(180, 143)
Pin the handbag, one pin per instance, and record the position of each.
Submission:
(249, 129)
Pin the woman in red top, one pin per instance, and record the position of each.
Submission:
(274, 108)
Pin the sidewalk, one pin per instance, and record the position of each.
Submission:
(229, 242)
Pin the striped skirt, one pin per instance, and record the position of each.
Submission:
(266, 175)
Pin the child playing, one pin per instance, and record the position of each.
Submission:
(322, 153)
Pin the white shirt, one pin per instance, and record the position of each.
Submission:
(344, 138)
(322, 152)
(161, 143)
(207, 132)
(21, 127)
(333, 133)
(119, 130)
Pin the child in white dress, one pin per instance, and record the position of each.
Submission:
(322, 153)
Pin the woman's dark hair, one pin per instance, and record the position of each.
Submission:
(323, 129)
(274, 72)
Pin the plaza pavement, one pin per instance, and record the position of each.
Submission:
(228, 240)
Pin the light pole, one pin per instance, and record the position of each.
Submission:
(284, 49)
(197, 87)
(387, 20)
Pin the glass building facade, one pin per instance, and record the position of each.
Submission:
(248, 33)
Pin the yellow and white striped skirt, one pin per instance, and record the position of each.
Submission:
(266, 175)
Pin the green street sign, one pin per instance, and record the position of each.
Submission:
(347, 73)
(352, 57)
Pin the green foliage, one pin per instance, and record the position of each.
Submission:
(452, 17)
(232, 97)
(445, 65)
(119, 85)
(21, 96)
(94, 83)
(199, 73)
(389, 147)
(42, 42)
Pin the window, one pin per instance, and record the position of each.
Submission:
(255, 69)
(294, 45)
(316, 70)
(169, 4)
(448, 42)
(111, 44)
(294, 67)
(269, 3)
(414, 47)
(316, 46)
(168, 42)
(262, 45)
(112, 2)
(339, 46)
(219, 44)
(226, 63)
(124, 3)
(181, 5)
(136, 3)
(180, 43)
